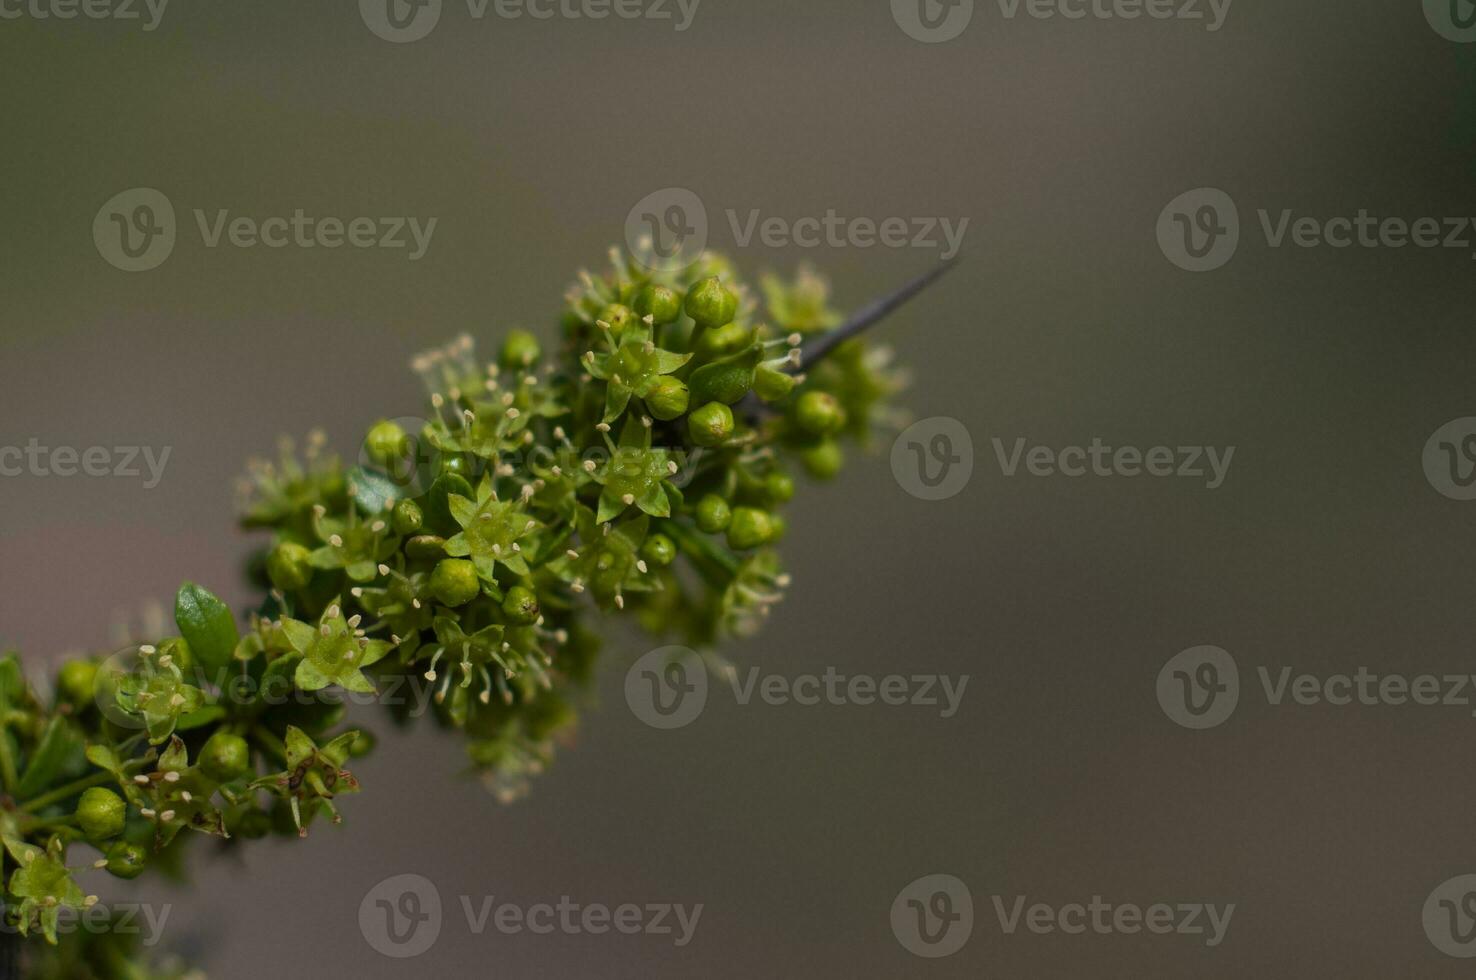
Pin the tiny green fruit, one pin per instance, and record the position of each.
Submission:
(771, 384)
(225, 757)
(660, 550)
(750, 528)
(385, 442)
(824, 459)
(711, 425)
(713, 514)
(618, 317)
(519, 350)
(520, 606)
(76, 679)
(779, 486)
(660, 303)
(289, 566)
(668, 399)
(727, 379)
(408, 517)
(454, 582)
(712, 304)
(819, 413)
(126, 860)
(101, 813)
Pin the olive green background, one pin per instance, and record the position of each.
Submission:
(795, 827)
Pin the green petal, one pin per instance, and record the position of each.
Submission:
(654, 502)
(464, 510)
(299, 634)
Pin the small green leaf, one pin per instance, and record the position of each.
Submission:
(207, 625)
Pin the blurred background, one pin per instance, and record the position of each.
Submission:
(1061, 141)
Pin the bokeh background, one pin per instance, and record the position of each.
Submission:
(1061, 141)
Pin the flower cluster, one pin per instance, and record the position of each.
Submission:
(640, 468)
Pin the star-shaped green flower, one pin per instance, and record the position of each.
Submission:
(334, 652)
(155, 692)
(633, 367)
(607, 561)
(490, 531)
(176, 795)
(352, 545)
(44, 885)
(313, 776)
(636, 475)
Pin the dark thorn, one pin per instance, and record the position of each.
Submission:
(871, 314)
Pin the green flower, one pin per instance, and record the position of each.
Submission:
(313, 776)
(44, 884)
(333, 653)
(352, 545)
(176, 795)
(636, 475)
(155, 692)
(491, 529)
(634, 366)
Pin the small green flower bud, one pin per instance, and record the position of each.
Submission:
(711, 424)
(101, 813)
(669, 399)
(618, 317)
(426, 546)
(726, 380)
(520, 606)
(225, 757)
(408, 517)
(779, 486)
(713, 514)
(663, 305)
(385, 442)
(711, 303)
(824, 459)
(126, 860)
(778, 526)
(772, 385)
(660, 550)
(722, 341)
(751, 527)
(75, 681)
(288, 566)
(519, 350)
(454, 582)
(819, 414)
